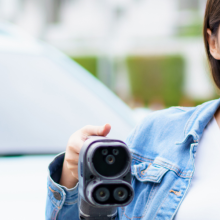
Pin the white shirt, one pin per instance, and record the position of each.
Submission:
(202, 201)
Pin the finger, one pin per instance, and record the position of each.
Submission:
(75, 174)
(106, 129)
(75, 143)
(72, 158)
(96, 130)
(74, 170)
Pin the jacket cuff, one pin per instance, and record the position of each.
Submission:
(57, 193)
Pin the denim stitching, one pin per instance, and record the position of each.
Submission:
(188, 164)
(52, 200)
(144, 171)
(172, 167)
(160, 206)
(153, 176)
(139, 172)
(166, 164)
(162, 171)
(192, 118)
(189, 120)
(152, 193)
(125, 214)
(169, 166)
(54, 214)
(129, 217)
(55, 186)
(138, 160)
(141, 156)
(153, 189)
(165, 199)
(177, 170)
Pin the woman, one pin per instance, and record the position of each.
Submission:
(163, 147)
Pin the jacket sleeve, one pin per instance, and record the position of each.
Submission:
(61, 202)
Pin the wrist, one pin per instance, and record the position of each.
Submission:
(67, 179)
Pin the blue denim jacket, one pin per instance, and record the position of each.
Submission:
(163, 151)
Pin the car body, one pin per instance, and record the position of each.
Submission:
(45, 97)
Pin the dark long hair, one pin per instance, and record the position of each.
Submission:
(212, 21)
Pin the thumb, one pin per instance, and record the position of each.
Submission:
(96, 130)
(104, 130)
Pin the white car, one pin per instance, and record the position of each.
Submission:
(45, 97)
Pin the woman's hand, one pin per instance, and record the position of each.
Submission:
(69, 176)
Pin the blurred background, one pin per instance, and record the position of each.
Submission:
(68, 63)
(149, 52)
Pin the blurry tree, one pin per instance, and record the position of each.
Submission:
(90, 63)
(189, 19)
(156, 78)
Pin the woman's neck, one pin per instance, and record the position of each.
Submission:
(217, 117)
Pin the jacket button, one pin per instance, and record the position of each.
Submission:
(57, 195)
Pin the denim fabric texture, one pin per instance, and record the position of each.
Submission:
(163, 148)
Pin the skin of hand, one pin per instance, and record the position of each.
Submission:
(69, 176)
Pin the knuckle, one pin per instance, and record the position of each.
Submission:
(72, 160)
(72, 148)
(73, 168)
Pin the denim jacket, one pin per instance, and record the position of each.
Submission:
(163, 148)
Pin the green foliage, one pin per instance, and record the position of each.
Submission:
(193, 30)
(156, 78)
(192, 25)
(89, 63)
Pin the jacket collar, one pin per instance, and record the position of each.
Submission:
(199, 119)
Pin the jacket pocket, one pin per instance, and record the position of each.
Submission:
(147, 179)
(149, 172)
